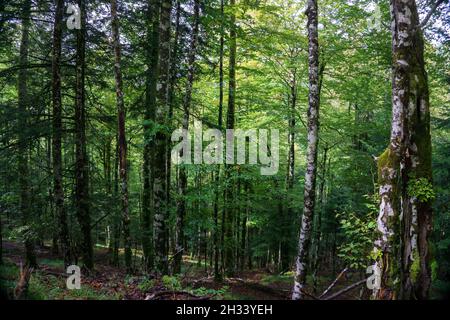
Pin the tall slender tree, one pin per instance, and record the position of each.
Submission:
(311, 155)
(182, 179)
(152, 54)
(228, 222)
(82, 162)
(24, 101)
(217, 271)
(290, 176)
(123, 171)
(58, 191)
(159, 162)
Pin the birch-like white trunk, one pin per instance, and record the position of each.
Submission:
(311, 156)
(404, 221)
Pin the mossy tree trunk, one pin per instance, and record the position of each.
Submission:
(404, 169)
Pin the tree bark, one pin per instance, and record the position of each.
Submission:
(82, 162)
(315, 263)
(311, 156)
(228, 223)
(122, 136)
(150, 101)
(160, 170)
(287, 218)
(405, 219)
(23, 144)
(58, 191)
(182, 183)
(217, 272)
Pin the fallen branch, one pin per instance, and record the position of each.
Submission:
(351, 287)
(195, 281)
(333, 283)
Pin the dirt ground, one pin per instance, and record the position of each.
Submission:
(111, 282)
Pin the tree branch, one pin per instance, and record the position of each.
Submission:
(430, 13)
(333, 283)
(351, 287)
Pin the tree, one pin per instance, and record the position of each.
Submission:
(228, 222)
(122, 136)
(182, 178)
(217, 273)
(23, 103)
(160, 170)
(82, 163)
(311, 156)
(404, 169)
(58, 190)
(152, 56)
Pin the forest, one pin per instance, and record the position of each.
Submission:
(225, 149)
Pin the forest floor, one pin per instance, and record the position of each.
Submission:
(111, 282)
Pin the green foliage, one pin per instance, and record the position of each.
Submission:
(54, 263)
(146, 285)
(358, 231)
(9, 274)
(355, 117)
(217, 293)
(422, 189)
(23, 233)
(171, 282)
(277, 278)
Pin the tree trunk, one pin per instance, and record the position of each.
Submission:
(287, 220)
(58, 191)
(160, 170)
(122, 137)
(116, 220)
(405, 218)
(229, 259)
(82, 163)
(23, 144)
(181, 209)
(217, 273)
(244, 226)
(315, 263)
(311, 156)
(150, 101)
